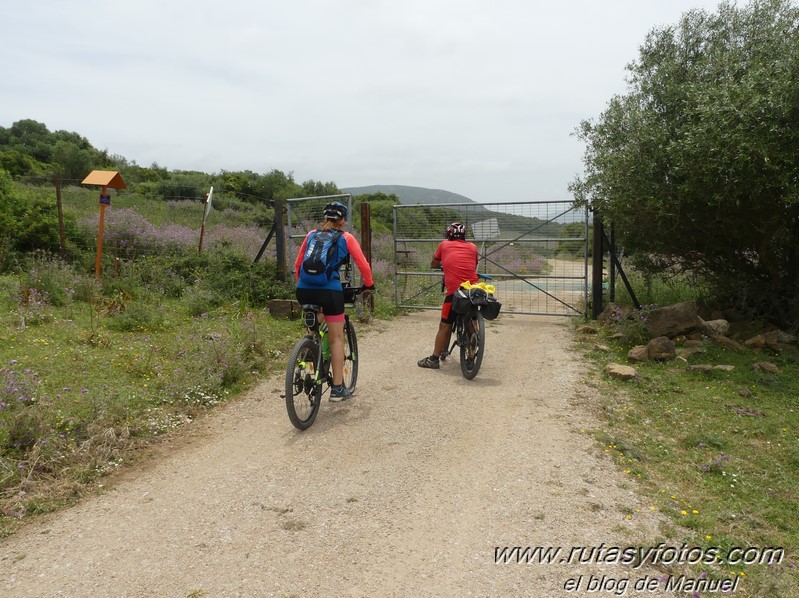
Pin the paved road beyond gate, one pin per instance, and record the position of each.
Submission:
(536, 253)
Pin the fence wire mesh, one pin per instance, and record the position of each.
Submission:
(534, 252)
(171, 227)
(303, 214)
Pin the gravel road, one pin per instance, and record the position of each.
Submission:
(405, 490)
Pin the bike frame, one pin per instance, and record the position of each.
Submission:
(318, 332)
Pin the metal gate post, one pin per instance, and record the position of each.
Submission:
(366, 241)
(585, 263)
(598, 259)
(396, 268)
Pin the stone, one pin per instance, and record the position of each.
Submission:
(766, 366)
(284, 308)
(637, 354)
(747, 411)
(700, 367)
(716, 327)
(724, 368)
(779, 341)
(661, 348)
(673, 320)
(728, 343)
(756, 342)
(615, 312)
(621, 372)
(686, 352)
(586, 329)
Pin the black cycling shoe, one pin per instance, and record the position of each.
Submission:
(429, 362)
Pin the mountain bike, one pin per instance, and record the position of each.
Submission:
(469, 330)
(308, 374)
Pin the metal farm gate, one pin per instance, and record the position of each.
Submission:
(535, 252)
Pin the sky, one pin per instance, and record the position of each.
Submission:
(480, 98)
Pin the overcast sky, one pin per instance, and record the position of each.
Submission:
(475, 97)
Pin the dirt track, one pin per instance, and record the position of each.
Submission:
(405, 490)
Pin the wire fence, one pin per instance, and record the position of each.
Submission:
(534, 252)
(171, 226)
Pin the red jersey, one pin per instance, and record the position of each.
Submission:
(459, 260)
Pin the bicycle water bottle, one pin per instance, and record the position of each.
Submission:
(325, 342)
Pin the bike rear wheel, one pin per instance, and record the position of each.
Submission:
(350, 355)
(303, 389)
(472, 344)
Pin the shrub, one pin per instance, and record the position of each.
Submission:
(199, 301)
(136, 317)
(51, 276)
(29, 222)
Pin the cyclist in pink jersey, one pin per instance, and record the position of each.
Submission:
(458, 258)
(330, 295)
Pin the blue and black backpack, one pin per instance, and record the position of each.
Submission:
(321, 257)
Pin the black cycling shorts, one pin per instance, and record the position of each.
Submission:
(331, 302)
(447, 314)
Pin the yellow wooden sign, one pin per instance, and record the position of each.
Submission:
(106, 178)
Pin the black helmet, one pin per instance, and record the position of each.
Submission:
(335, 211)
(456, 231)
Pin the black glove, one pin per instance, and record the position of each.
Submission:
(368, 290)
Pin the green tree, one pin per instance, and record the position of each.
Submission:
(256, 188)
(30, 137)
(381, 210)
(313, 188)
(697, 164)
(17, 163)
(70, 161)
(575, 230)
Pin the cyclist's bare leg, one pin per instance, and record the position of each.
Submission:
(336, 332)
(442, 338)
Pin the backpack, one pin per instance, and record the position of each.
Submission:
(321, 257)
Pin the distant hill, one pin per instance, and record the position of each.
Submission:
(513, 226)
(411, 195)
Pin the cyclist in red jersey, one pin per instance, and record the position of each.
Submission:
(458, 258)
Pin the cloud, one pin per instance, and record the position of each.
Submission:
(475, 97)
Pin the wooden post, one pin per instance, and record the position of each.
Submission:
(280, 239)
(60, 209)
(105, 178)
(99, 260)
(202, 234)
(366, 231)
(208, 199)
(598, 259)
(366, 240)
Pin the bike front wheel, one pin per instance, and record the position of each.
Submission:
(472, 344)
(303, 386)
(350, 355)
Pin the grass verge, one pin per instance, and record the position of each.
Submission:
(83, 384)
(717, 452)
